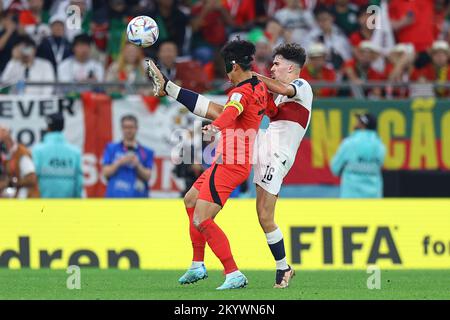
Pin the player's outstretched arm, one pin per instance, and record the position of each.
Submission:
(277, 86)
(194, 102)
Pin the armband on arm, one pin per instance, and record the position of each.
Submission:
(226, 119)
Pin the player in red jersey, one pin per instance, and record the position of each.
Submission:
(238, 121)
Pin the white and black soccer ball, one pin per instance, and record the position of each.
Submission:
(142, 31)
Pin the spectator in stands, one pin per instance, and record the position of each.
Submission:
(127, 165)
(359, 70)
(58, 163)
(399, 69)
(338, 47)
(86, 17)
(359, 161)
(438, 70)
(108, 34)
(243, 12)
(56, 47)
(216, 75)
(345, 16)
(8, 37)
(209, 24)
(363, 32)
(189, 161)
(24, 66)
(441, 15)
(18, 178)
(264, 9)
(81, 67)
(172, 23)
(129, 68)
(167, 59)
(276, 34)
(188, 74)
(34, 21)
(13, 6)
(295, 19)
(317, 69)
(410, 19)
(263, 57)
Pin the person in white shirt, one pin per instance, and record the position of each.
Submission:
(276, 148)
(296, 19)
(24, 66)
(338, 47)
(81, 67)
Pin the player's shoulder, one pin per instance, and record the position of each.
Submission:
(248, 86)
(237, 94)
(301, 83)
(303, 90)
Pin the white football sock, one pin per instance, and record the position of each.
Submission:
(282, 264)
(196, 264)
(232, 274)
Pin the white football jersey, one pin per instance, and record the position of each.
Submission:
(288, 127)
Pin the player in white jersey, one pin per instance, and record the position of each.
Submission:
(277, 146)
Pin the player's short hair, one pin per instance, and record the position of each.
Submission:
(129, 117)
(292, 52)
(240, 51)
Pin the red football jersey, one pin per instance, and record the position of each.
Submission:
(250, 98)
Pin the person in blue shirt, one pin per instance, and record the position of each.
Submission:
(58, 163)
(127, 164)
(359, 161)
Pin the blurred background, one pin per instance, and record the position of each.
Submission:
(71, 82)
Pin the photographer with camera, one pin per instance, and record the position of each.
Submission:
(17, 171)
(25, 66)
(127, 164)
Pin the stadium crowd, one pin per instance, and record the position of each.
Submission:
(408, 41)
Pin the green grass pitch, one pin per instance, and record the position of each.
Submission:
(162, 284)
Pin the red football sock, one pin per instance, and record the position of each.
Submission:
(218, 242)
(198, 241)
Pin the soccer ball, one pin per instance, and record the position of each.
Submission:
(142, 31)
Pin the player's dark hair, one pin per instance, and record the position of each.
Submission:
(82, 39)
(240, 51)
(292, 52)
(129, 117)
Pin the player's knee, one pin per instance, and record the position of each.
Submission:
(189, 200)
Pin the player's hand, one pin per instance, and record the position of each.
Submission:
(210, 130)
(159, 81)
